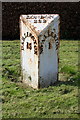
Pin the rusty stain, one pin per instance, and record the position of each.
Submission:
(35, 49)
(20, 21)
(22, 47)
(42, 17)
(49, 32)
(50, 45)
(58, 47)
(59, 32)
(30, 60)
(22, 43)
(30, 34)
(52, 34)
(41, 48)
(25, 21)
(29, 46)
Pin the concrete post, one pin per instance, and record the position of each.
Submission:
(39, 41)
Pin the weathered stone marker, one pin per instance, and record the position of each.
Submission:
(39, 40)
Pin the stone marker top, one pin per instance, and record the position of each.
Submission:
(40, 21)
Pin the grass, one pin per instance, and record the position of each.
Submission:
(58, 101)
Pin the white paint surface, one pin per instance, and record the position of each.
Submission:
(40, 70)
(48, 69)
(29, 62)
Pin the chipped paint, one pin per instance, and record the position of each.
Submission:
(39, 35)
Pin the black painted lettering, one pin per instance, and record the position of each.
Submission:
(23, 38)
(27, 34)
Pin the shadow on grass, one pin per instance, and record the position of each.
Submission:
(72, 82)
(10, 74)
(13, 76)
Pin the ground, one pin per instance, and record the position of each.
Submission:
(58, 101)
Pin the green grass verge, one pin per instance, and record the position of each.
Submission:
(58, 101)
